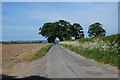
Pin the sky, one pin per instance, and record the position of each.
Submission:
(0, 21)
(22, 20)
(60, 0)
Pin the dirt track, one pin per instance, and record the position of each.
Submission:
(14, 56)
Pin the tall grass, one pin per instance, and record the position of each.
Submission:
(102, 49)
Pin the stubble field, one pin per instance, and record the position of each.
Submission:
(16, 56)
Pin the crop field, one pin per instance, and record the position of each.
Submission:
(15, 54)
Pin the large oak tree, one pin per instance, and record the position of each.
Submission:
(61, 29)
(96, 30)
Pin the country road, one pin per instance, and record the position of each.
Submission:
(62, 63)
(65, 64)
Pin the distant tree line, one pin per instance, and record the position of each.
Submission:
(63, 30)
(20, 42)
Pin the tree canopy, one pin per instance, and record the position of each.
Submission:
(61, 29)
(96, 30)
(77, 31)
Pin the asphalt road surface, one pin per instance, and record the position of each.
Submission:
(62, 63)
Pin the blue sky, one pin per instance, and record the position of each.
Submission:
(0, 21)
(60, 0)
(21, 20)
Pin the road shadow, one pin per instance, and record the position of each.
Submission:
(35, 77)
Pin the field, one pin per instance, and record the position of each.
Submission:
(17, 55)
(0, 59)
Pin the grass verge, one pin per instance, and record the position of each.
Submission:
(96, 55)
(41, 52)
